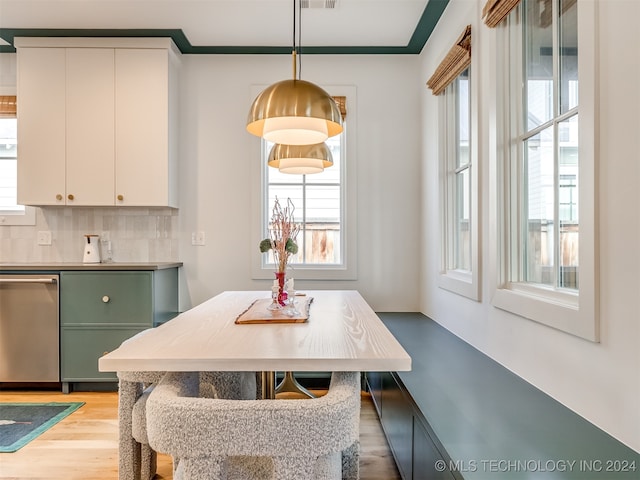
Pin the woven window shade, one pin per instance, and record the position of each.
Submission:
(342, 106)
(8, 106)
(456, 61)
(495, 11)
(547, 12)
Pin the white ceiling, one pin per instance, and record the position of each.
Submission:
(269, 23)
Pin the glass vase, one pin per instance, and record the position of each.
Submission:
(282, 293)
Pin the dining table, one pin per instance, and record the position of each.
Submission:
(341, 333)
(235, 331)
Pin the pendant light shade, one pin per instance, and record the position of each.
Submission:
(294, 112)
(300, 159)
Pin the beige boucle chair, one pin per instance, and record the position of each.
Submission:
(137, 460)
(265, 439)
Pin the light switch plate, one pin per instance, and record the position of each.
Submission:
(44, 237)
(197, 238)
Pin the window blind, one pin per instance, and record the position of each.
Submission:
(342, 105)
(8, 106)
(495, 11)
(547, 12)
(456, 61)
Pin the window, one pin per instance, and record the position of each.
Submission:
(10, 212)
(547, 168)
(317, 200)
(324, 206)
(459, 252)
(459, 269)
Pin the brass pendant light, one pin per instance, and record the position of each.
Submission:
(300, 159)
(294, 112)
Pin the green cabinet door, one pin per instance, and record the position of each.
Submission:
(93, 298)
(101, 309)
(82, 347)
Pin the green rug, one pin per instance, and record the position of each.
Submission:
(22, 422)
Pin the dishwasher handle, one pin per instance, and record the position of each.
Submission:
(28, 280)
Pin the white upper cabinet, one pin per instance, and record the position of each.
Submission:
(142, 127)
(90, 126)
(112, 109)
(41, 126)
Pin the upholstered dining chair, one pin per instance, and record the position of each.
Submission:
(262, 439)
(138, 461)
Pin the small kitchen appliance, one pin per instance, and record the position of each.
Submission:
(91, 249)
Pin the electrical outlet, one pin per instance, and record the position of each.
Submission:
(197, 238)
(44, 237)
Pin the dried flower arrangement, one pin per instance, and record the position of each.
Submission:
(282, 233)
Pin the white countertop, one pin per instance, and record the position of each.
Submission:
(60, 266)
(342, 333)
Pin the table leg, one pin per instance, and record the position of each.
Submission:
(268, 385)
(290, 384)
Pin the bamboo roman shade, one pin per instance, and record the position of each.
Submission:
(342, 106)
(8, 106)
(547, 12)
(495, 11)
(456, 61)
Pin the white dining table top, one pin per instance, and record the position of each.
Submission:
(342, 333)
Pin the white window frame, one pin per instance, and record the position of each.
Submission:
(462, 282)
(347, 270)
(574, 313)
(19, 217)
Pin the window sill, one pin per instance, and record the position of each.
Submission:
(9, 218)
(460, 282)
(308, 273)
(563, 311)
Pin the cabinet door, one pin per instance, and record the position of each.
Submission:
(397, 421)
(142, 127)
(90, 126)
(106, 298)
(41, 126)
(374, 381)
(427, 461)
(82, 347)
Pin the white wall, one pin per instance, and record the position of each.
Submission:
(600, 381)
(220, 163)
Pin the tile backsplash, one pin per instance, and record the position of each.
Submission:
(135, 235)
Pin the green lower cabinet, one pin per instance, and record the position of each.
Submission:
(410, 439)
(82, 347)
(397, 422)
(99, 298)
(428, 463)
(101, 309)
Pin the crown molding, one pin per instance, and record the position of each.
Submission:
(424, 28)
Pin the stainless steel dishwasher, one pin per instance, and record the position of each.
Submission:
(29, 328)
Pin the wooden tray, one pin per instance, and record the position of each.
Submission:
(258, 312)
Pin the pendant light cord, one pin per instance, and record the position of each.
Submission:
(297, 51)
(294, 26)
(299, 39)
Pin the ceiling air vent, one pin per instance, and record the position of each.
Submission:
(318, 3)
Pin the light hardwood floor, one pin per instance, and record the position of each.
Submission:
(85, 444)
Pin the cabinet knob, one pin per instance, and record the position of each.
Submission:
(120, 197)
(58, 197)
(104, 353)
(70, 196)
(106, 299)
